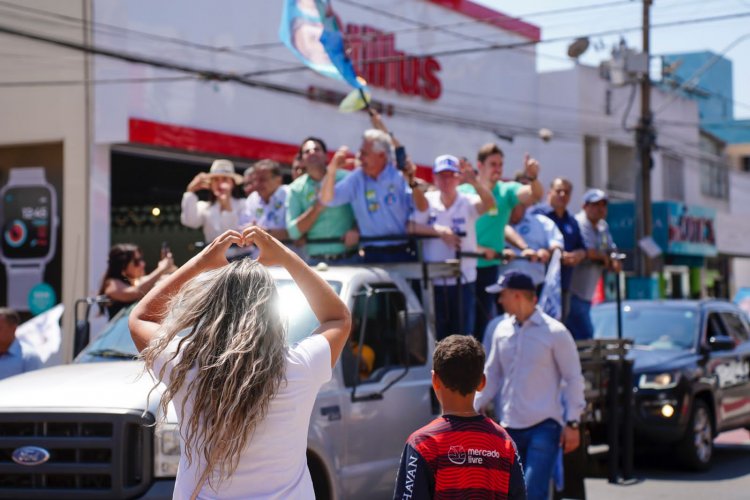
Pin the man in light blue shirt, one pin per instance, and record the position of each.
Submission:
(15, 358)
(381, 197)
(541, 235)
(531, 356)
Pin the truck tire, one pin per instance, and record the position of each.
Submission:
(321, 486)
(698, 444)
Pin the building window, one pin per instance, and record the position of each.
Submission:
(621, 168)
(673, 177)
(714, 180)
(745, 163)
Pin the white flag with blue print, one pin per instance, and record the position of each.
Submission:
(551, 299)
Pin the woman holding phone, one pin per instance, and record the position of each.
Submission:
(211, 332)
(125, 281)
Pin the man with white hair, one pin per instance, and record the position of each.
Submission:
(381, 197)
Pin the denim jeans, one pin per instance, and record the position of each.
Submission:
(537, 447)
(448, 319)
(485, 302)
(579, 319)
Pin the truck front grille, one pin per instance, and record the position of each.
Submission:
(91, 455)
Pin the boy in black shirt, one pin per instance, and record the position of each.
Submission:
(460, 454)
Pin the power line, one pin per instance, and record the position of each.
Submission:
(210, 74)
(104, 81)
(517, 45)
(112, 30)
(694, 78)
(206, 74)
(485, 20)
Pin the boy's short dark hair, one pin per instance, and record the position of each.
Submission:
(459, 363)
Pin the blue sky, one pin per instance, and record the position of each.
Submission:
(713, 36)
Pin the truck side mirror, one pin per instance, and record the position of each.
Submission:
(721, 342)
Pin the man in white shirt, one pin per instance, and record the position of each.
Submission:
(448, 215)
(221, 212)
(534, 368)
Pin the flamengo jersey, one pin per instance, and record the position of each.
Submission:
(460, 457)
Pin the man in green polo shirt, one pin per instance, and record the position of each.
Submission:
(491, 226)
(307, 217)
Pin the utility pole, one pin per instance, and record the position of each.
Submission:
(644, 139)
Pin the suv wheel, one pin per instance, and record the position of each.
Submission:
(698, 443)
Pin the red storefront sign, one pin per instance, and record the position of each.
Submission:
(376, 59)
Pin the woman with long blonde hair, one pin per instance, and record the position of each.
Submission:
(211, 332)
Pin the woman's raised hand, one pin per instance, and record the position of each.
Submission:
(272, 251)
(214, 255)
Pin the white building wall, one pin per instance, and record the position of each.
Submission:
(52, 113)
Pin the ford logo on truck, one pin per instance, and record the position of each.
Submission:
(30, 455)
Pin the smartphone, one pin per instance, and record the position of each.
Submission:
(400, 157)
(165, 249)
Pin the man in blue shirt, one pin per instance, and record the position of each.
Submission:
(574, 250)
(15, 358)
(381, 197)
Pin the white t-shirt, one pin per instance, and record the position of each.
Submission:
(273, 464)
(461, 218)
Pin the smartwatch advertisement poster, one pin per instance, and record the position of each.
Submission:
(29, 241)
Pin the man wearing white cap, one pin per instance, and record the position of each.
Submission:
(599, 244)
(450, 213)
(221, 212)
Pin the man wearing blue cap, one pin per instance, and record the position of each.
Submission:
(599, 245)
(530, 356)
(449, 214)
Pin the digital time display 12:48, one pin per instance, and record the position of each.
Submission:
(26, 222)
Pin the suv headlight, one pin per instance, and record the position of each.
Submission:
(167, 450)
(665, 380)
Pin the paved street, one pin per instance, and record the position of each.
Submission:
(658, 479)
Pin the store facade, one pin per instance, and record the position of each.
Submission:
(687, 238)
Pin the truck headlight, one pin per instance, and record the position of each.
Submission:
(167, 450)
(665, 380)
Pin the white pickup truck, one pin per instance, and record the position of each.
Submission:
(82, 430)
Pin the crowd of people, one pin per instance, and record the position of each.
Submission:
(370, 207)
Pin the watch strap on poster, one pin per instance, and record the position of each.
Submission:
(21, 279)
(26, 175)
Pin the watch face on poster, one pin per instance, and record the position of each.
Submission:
(26, 217)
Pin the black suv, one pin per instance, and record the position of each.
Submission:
(691, 372)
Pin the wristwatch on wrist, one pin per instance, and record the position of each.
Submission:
(573, 424)
(28, 212)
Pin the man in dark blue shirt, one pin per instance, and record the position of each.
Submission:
(574, 251)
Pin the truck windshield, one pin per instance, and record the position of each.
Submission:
(115, 341)
(657, 328)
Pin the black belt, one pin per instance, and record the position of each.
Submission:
(405, 247)
(336, 256)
